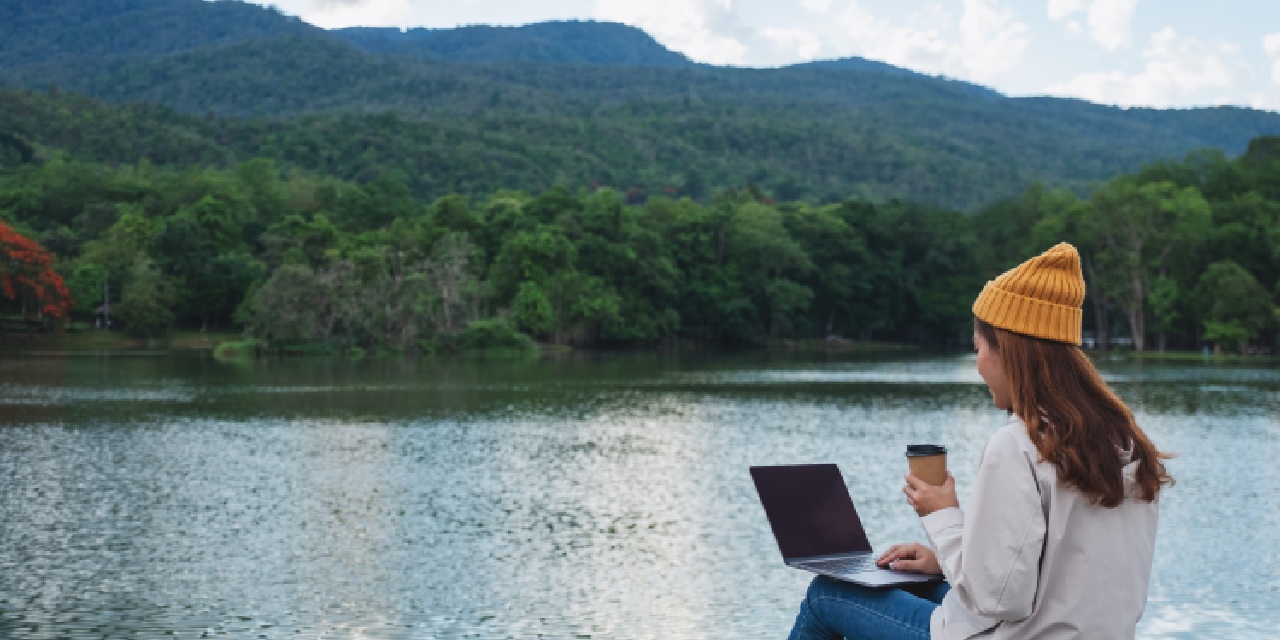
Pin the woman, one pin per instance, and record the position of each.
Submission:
(1058, 537)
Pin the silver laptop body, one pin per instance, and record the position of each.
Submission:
(817, 528)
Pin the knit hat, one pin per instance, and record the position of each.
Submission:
(1041, 297)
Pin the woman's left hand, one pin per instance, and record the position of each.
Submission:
(926, 498)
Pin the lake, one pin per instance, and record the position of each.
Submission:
(154, 494)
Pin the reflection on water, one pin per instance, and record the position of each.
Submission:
(578, 498)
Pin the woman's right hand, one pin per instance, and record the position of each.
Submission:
(912, 556)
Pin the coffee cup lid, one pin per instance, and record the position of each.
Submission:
(920, 450)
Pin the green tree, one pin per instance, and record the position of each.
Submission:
(1139, 227)
(1022, 226)
(1067, 218)
(537, 255)
(1229, 334)
(118, 249)
(769, 261)
(1163, 301)
(147, 304)
(302, 240)
(201, 247)
(450, 274)
(1236, 307)
(586, 308)
(840, 257)
(298, 304)
(86, 285)
(531, 311)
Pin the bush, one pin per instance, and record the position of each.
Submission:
(493, 334)
(235, 350)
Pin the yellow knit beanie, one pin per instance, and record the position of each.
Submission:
(1041, 297)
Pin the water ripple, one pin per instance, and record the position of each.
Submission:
(170, 498)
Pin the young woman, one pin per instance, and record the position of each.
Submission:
(1058, 536)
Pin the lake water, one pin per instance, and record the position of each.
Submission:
(156, 495)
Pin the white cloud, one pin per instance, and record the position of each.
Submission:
(1059, 9)
(1176, 68)
(688, 26)
(918, 48)
(794, 41)
(990, 41)
(1110, 21)
(1264, 101)
(978, 40)
(993, 41)
(1271, 44)
(331, 14)
(816, 6)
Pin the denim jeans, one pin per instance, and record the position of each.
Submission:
(834, 609)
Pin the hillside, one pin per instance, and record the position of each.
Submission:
(216, 242)
(475, 109)
(568, 42)
(34, 31)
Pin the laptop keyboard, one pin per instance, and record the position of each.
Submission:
(843, 565)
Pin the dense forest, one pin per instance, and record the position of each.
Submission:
(236, 168)
(1181, 253)
(474, 110)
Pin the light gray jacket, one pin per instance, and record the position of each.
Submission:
(1033, 559)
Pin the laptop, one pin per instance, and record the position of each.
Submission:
(817, 528)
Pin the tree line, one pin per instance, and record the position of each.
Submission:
(1179, 254)
(1183, 253)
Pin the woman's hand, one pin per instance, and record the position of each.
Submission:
(910, 557)
(926, 498)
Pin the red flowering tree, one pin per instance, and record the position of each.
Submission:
(27, 275)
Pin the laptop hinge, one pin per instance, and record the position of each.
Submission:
(833, 556)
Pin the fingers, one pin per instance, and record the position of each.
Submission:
(910, 564)
(913, 487)
(896, 552)
(899, 553)
(912, 491)
(888, 555)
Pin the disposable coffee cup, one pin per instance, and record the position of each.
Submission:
(928, 462)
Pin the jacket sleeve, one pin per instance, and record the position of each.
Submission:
(992, 556)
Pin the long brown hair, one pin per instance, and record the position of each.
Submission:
(1076, 422)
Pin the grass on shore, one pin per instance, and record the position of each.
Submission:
(95, 340)
(821, 344)
(233, 344)
(1194, 356)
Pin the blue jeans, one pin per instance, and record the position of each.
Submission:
(833, 609)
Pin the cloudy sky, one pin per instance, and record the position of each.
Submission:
(1125, 52)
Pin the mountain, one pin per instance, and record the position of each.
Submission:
(479, 108)
(862, 64)
(35, 31)
(567, 42)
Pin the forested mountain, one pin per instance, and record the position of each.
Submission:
(34, 31)
(633, 147)
(431, 190)
(559, 42)
(1182, 254)
(592, 103)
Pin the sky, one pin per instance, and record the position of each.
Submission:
(1171, 53)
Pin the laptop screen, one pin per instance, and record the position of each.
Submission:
(809, 509)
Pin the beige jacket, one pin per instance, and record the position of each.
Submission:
(1032, 559)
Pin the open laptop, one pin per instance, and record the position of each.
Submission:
(817, 528)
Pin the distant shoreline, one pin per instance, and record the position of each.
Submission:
(94, 340)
